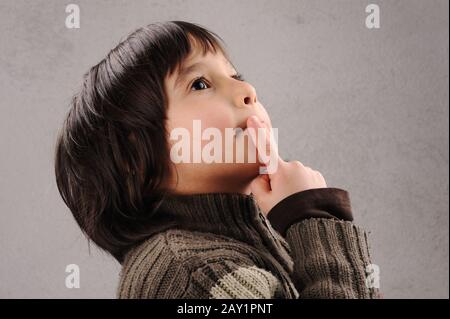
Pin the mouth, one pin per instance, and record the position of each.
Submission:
(240, 129)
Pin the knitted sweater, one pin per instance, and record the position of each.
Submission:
(220, 245)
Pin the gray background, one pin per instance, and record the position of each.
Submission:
(367, 108)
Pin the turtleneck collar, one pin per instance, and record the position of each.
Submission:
(233, 215)
(228, 214)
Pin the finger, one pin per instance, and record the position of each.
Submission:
(260, 187)
(264, 141)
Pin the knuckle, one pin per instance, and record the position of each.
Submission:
(296, 164)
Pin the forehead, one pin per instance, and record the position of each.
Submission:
(198, 54)
(198, 59)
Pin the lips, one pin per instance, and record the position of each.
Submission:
(242, 126)
(239, 130)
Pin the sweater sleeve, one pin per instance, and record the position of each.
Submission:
(330, 253)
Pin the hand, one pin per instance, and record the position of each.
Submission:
(288, 177)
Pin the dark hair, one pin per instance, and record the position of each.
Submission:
(112, 156)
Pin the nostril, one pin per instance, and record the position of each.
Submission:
(247, 100)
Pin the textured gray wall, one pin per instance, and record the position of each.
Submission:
(367, 108)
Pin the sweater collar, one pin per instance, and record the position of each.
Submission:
(230, 214)
(233, 215)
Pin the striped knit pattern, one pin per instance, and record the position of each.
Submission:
(182, 264)
(246, 282)
(327, 257)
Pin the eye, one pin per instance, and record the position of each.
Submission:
(197, 83)
(201, 84)
(238, 76)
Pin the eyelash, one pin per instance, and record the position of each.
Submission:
(237, 76)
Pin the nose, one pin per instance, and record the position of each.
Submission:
(246, 95)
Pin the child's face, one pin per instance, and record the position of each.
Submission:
(219, 101)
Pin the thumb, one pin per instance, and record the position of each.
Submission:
(260, 187)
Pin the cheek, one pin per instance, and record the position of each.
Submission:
(217, 120)
(211, 116)
(205, 116)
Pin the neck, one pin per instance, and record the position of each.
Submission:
(200, 185)
(187, 189)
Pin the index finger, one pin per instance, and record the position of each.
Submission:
(265, 142)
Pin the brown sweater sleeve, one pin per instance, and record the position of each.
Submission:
(331, 254)
(326, 202)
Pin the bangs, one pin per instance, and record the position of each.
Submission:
(188, 37)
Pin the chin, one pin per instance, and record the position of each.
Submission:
(243, 172)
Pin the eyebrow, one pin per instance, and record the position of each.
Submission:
(187, 70)
(184, 72)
